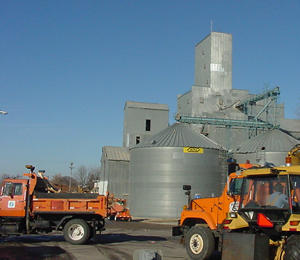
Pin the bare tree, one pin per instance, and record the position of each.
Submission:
(82, 175)
(62, 182)
(94, 174)
(11, 176)
(4, 176)
(86, 178)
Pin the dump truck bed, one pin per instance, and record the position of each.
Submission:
(66, 195)
(69, 203)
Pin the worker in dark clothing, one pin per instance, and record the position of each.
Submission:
(232, 165)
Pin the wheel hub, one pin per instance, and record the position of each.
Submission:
(76, 232)
(196, 244)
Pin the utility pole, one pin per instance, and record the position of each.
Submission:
(71, 168)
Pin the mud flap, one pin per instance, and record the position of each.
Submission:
(177, 231)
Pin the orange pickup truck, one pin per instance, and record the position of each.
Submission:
(26, 210)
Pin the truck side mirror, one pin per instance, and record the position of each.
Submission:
(187, 187)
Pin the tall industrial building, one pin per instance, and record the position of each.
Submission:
(142, 120)
(213, 76)
(213, 62)
(228, 116)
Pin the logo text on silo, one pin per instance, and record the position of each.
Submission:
(193, 150)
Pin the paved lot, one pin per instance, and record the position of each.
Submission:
(118, 242)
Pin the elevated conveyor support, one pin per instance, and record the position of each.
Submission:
(244, 104)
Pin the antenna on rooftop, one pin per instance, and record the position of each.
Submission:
(211, 26)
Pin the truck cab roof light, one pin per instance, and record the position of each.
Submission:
(288, 161)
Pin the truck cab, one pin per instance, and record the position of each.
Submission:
(13, 198)
(212, 211)
(202, 218)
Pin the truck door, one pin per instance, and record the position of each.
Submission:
(235, 186)
(13, 198)
(230, 198)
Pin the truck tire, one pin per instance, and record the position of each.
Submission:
(292, 248)
(199, 243)
(77, 232)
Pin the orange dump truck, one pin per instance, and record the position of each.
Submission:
(24, 209)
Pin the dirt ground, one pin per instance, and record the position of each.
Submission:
(119, 241)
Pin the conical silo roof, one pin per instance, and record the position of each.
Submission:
(272, 141)
(179, 135)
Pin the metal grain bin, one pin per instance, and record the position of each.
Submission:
(271, 146)
(162, 164)
(115, 170)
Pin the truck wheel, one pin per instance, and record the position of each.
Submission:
(292, 248)
(76, 231)
(199, 243)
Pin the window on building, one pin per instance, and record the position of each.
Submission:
(137, 139)
(148, 125)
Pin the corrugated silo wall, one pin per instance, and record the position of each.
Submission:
(118, 175)
(277, 158)
(157, 175)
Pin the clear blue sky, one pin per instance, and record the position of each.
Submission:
(67, 67)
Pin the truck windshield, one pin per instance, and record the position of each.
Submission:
(235, 186)
(265, 192)
(9, 187)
